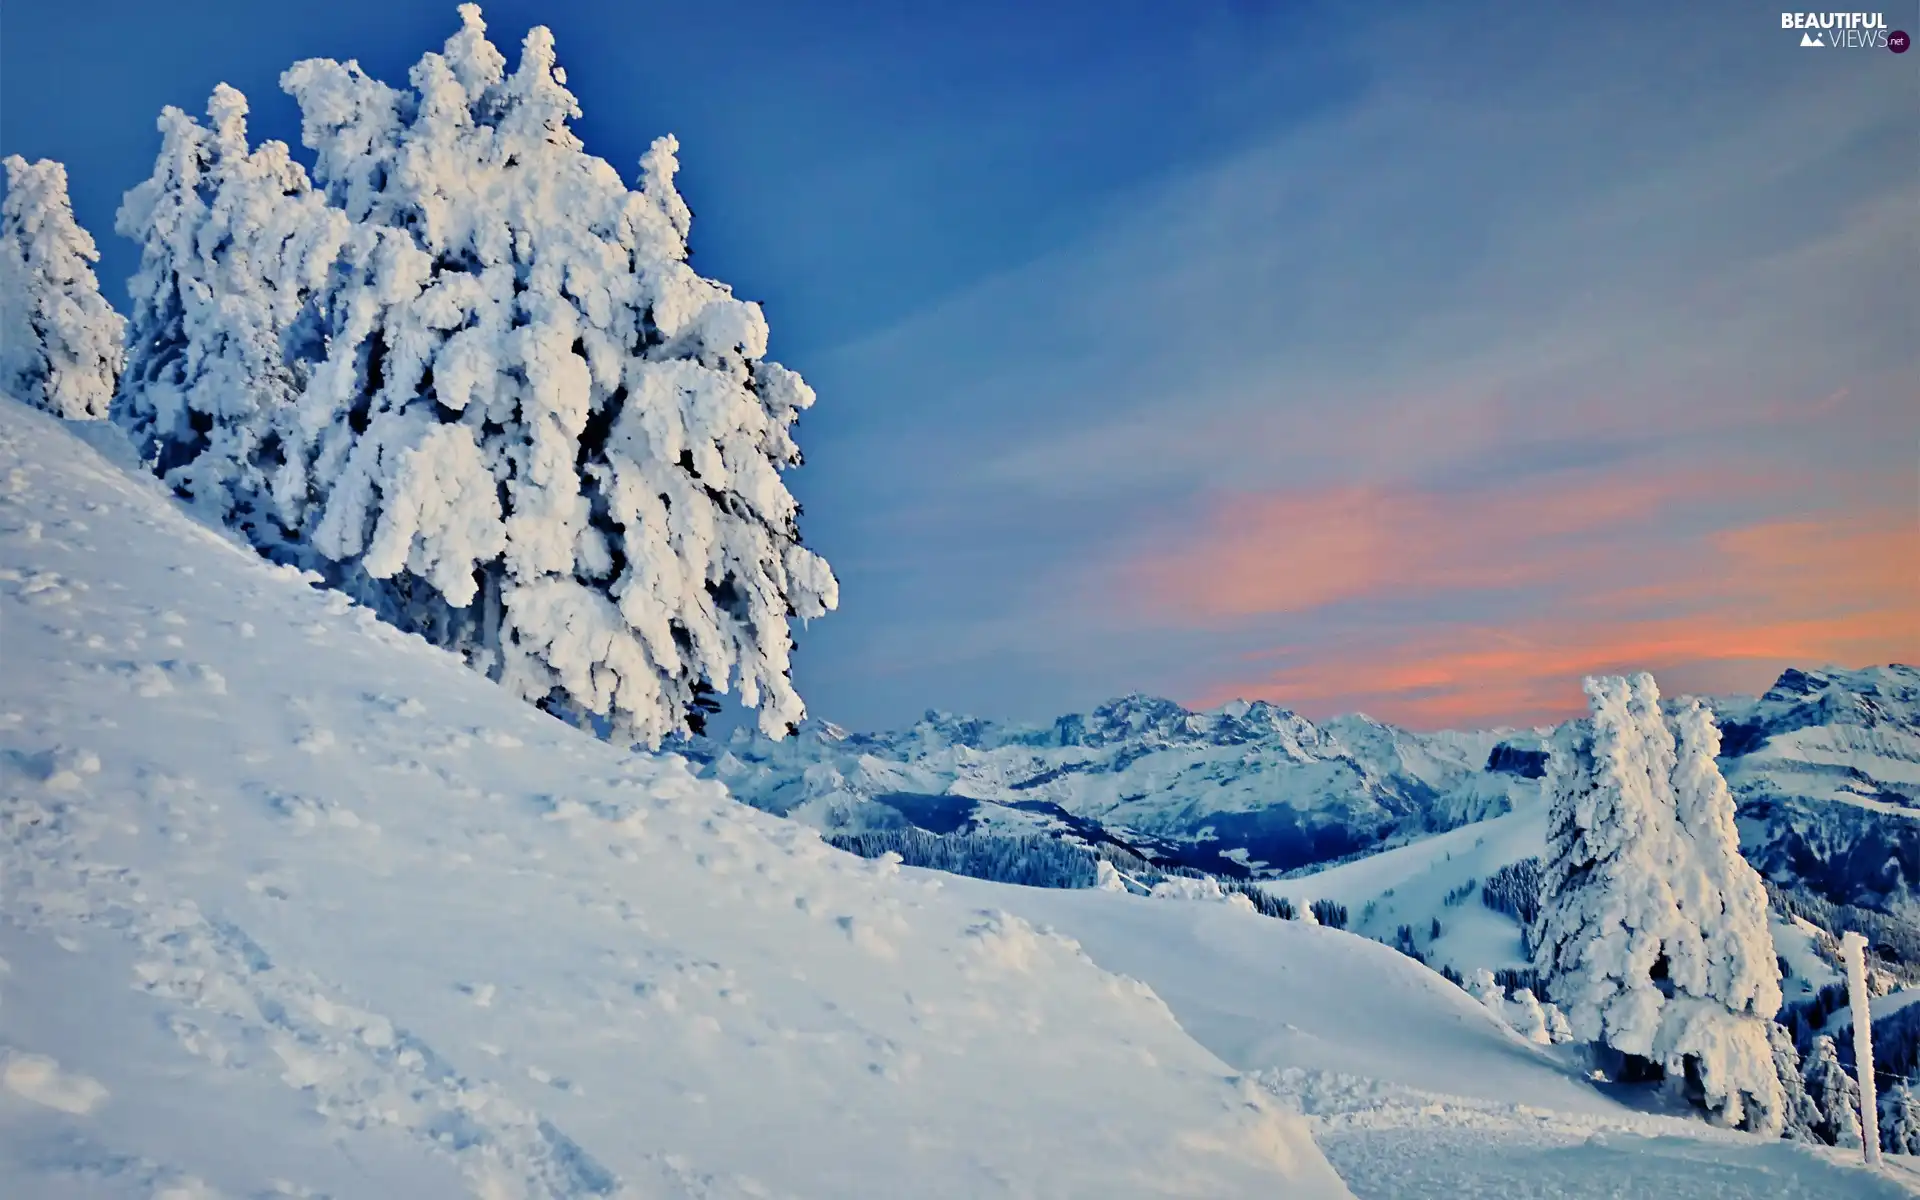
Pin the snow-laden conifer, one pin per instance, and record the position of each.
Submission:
(1727, 978)
(235, 246)
(1607, 911)
(543, 438)
(1834, 1093)
(1724, 894)
(61, 343)
(1653, 930)
(1800, 1116)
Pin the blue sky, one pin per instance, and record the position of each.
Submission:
(1413, 360)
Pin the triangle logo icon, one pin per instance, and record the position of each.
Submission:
(1811, 39)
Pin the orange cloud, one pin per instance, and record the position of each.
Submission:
(1722, 611)
(1298, 551)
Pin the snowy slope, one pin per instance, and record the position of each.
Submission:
(1409, 885)
(1414, 1089)
(291, 904)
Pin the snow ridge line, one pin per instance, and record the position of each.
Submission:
(359, 1069)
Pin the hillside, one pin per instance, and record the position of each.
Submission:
(291, 904)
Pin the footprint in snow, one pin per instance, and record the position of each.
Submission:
(552, 1081)
(42, 1080)
(49, 588)
(307, 812)
(60, 769)
(267, 885)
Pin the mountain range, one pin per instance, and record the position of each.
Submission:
(1825, 766)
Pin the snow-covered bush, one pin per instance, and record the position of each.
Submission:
(1652, 934)
(1107, 878)
(1481, 986)
(61, 343)
(1559, 1032)
(1801, 1117)
(1900, 1119)
(1528, 1017)
(1521, 1010)
(470, 377)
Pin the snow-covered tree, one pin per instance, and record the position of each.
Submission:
(1653, 931)
(1834, 1093)
(235, 246)
(469, 376)
(1528, 1018)
(1726, 979)
(1607, 911)
(1482, 987)
(1800, 1116)
(1559, 1032)
(61, 343)
(1900, 1119)
(563, 445)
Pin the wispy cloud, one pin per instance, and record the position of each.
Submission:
(1738, 605)
(1489, 368)
(1299, 551)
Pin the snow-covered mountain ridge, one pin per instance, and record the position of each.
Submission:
(1825, 765)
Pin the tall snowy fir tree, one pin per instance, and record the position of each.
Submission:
(1652, 932)
(1724, 1001)
(61, 343)
(1607, 912)
(484, 391)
